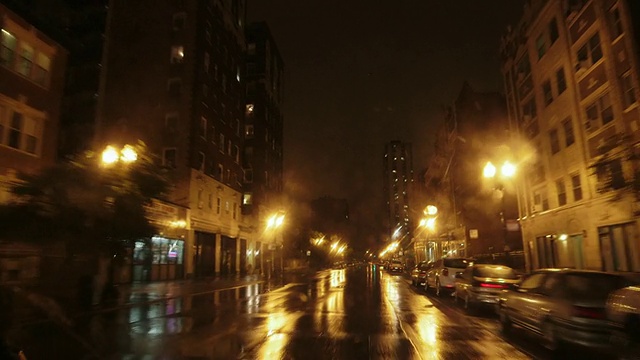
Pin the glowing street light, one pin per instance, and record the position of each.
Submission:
(489, 170)
(275, 220)
(507, 170)
(111, 155)
(128, 154)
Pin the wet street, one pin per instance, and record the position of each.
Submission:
(356, 313)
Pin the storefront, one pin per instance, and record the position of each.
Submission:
(159, 258)
(620, 247)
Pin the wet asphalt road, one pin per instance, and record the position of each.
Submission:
(360, 313)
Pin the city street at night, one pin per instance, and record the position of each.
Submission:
(354, 313)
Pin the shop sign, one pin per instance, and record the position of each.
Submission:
(159, 211)
(473, 233)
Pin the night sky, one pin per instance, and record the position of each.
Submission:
(359, 73)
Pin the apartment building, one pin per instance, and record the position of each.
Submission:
(397, 182)
(571, 80)
(173, 77)
(32, 67)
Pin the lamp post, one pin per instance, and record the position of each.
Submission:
(507, 171)
(275, 222)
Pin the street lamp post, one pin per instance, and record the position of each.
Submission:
(507, 171)
(275, 222)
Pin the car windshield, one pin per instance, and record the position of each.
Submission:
(502, 272)
(593, 286)
(456, 263)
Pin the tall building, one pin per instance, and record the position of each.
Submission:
(571, 79)
(398, 179)
(173, 77)
(263, 129)
(472, 211)
(32, 69)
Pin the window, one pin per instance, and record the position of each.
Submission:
(249, 109)
(546, 90)
(177, 54)
(179, 21)
(200, 199)
(220, 172)
(218, 205)
(221, 143)
(524, 67)
(236, 153)
(210, 202)
(212, 134)
(562, 192)
(229, 147)
(628, 90)
(590, 53)
(205, 91)
(226, 207)
(610, 176)
(215, 71)
(247, 198)
(541, 45)
(202, 130)
(529, 110)
(569, 136)
(207, 32)
(577, 187)
(248, 176)
(251, 49)
(224, 83)
(25, 63)
(616, 23)
(206, 61)
(238, 127)
(41, 72)
(235, 211)
(554, 141)
(553, 30)
(561, 81)
(201, 161)
(599, 113)
(169, 158)
(8, 44)
(15, 130)
(238, 73)
(228, 178)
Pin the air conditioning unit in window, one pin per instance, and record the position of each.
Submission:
(535, 208)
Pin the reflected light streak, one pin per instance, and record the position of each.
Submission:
(391, 288)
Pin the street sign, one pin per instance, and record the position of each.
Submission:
(473, 233)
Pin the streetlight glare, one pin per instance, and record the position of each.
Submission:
(489, 170)
(431, 223)
(508, 169)
(128, 154)
(109, 155)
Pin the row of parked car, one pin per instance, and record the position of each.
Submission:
(589, 308)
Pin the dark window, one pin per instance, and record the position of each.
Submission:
(8, 44)
(577, 187)
(546, 90)
(201, 161)
(179, 21)
(616, 23)
(561, 80)
(529, 110)
(569, 136)
(590, 53)
(599, 113)
(553, 30)
(562, 192)
(202, 129)
(15, 130)
(169, 158)
(628, 90)
(175, 87)
(554, 141)
(541, 45)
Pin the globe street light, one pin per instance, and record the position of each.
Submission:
(111, 155)
(507, 171)
(274, 222)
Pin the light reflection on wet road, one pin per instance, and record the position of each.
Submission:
(337, 314)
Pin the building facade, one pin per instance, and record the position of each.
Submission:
(571, 79)
(173, 77)
(262, 160)
(397, 182)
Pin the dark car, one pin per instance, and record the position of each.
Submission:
(419, 273)
(483, 284)
(562, 306)
(395, 266)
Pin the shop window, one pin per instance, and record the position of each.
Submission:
(620, 247)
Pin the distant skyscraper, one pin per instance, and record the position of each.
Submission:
(398, 179)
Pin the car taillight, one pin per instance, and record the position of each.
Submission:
(493, 286)
(589, 313)
(445, 272)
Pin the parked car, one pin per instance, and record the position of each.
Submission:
(623, 310)
(483, 284)
(395, 266)
(442, 274)
(562, 306)
(419, 273)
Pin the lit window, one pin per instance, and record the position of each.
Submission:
(249, 109)
(247, 199)
(8, 44)
(177, 54)
(226, 207)
(25, 63)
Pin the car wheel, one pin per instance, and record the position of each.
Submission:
(438, 290)
(549, 336)
(505, 322)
